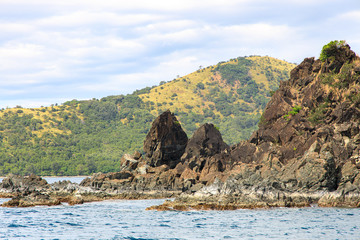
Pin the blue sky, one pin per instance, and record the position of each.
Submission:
(54, 51)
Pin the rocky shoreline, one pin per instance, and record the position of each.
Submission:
(29, 191)
(306, 152)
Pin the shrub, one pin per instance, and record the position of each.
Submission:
(200, 86)
(317, 115)
(295, 110)
(328, 51)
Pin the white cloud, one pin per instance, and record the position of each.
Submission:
(350, 16)
(166, 26)
(88, 48)
(88, 19)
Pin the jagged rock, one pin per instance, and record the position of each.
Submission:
(128, 162)
(199, 166)
(306, 149)
(64, 186)
(341, 55)
(166, 141)
(206, 142)
(23, 183)
(34, 199)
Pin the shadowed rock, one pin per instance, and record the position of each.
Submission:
(206, 141)
(166, 141)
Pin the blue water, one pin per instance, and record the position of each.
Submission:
(129, 220)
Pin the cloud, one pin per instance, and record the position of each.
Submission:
(350, 16)
(86, 48)
(88, 19)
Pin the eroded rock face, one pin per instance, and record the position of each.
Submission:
(23, 183)
(305, 151)
(166, 141)
(200, 155)
(206, 142)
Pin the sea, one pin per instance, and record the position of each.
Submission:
(128, 219)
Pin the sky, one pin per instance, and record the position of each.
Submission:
(55, 51)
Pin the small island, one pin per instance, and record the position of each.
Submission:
(305, 152)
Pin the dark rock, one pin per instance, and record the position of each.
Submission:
(306, 150)
(24, 183)
(303, 70)
(166, 141)
(341, 56)
(206, 142)
(119, 175)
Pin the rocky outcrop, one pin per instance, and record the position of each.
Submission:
(192, 165)
(206, 142)
(306, 150)
(166, 141)
(21, 184)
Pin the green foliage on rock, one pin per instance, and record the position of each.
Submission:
(329, 50)
(294, 110)
(317, 114)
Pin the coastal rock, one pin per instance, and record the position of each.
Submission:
(305, 151)
(31, 200)
(15, 183)
(128, 162)
(206, 142)
(166, 141)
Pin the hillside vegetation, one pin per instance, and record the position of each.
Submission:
(82, 137)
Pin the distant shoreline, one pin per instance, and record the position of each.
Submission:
(53, 176)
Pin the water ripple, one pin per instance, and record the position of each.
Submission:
(129, 220)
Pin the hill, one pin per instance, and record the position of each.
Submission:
(82, 137)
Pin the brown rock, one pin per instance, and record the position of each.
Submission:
(166, 141)
(206, 141)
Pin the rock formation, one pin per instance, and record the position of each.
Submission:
(165, 142)
(306, 151)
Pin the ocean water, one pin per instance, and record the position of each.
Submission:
(125, 219)
(122, 219)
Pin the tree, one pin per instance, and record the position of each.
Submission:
(200, 85)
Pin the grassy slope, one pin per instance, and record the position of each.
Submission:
(188, 94)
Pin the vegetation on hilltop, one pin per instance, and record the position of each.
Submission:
(83, 137)
(329, 50)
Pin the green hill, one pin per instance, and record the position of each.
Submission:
(82, 137)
